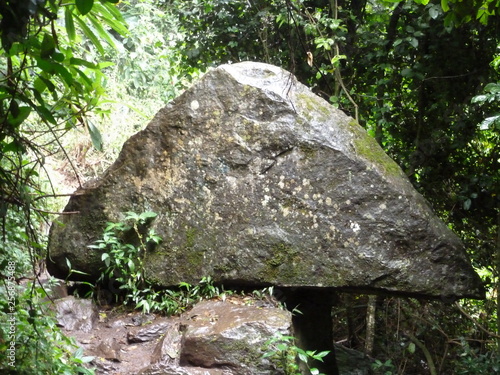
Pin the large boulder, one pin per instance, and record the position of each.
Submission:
(258, 181)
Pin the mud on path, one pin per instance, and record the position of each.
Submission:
(121, 342)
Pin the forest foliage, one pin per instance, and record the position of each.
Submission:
(421, 76)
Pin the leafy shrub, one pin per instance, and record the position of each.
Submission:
(123, 263)
(40, 346)
(281, 349)
(471, 361)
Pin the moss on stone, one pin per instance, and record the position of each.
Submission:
(308, 151)
(312, 107)
(369, 149)
(285, 265)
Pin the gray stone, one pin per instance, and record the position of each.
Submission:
(258, 181)
(108, 349)
(76, 314)
(218, 337)
(176, 370)
(168, 349)
(147, 333)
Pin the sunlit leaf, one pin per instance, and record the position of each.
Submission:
(91, 35)
(88, 64)
(444, 5)
(70, 25)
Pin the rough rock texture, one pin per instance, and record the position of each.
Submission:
(76, 314)
(213, 338)
(218, 337)
(256, 181)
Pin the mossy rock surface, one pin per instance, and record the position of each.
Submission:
(258, 181)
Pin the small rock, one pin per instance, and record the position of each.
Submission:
(140, 320)
(108, 349)
(76, 314)
(168, 349)
(147, 333)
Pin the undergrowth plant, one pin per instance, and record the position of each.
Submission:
(30, 327)
(281, 349)
(123, 259)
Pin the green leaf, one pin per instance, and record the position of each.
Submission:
(84, 6)
(48, 46)
(53, 68)
(22, 114)
(411, 348)
(95, 136)
(88, 64)
(479, 99)
(413, 42)
(45, 83)
(434, 12)
(90, 34)
(147, 215)
(111, 16)
(103, 34)
(444, 5)
(13, 146)
(70, 25)
(45, 114)
(302, 357)
(492, 88)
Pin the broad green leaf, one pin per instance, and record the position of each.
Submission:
(486, 124)
(467, 204)
(492, 87)
(302, 357)
(479, 99)
(22, 114)
(70, 25)
(147, 215)
(48, 46)
(433, 12)
(13, 146)
(53, 68)
(84, 6)
(95, 136)
(45, 114)
(407, 72)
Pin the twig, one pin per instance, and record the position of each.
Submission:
(427, 354)
(476, 322)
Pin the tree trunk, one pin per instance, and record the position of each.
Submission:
(370, 324)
